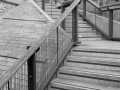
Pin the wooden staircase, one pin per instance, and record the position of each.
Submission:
(89, 66)
(85, 31)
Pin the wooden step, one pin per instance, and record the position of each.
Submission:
(97, 49)
(93, 60)
(65, 84)
(83, 37)
(85, 34)
(81, 30)
(49, 10)
(89, 39)
(101, 77)
(86, 31)
(54, 13)
(95, 54)
(80, 21)
(79, 25)
(88, 35)
(94, 66)
(93, 73)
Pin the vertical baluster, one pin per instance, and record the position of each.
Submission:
(63, 22)
(43, 5)
(31, 72)
(51, 9)
(95, 15)
(55, 1)
(8, 85)
(110, 23)
(57, 44)
(74, 24)
(84, 8)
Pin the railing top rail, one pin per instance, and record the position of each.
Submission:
(106, 6)
(110, 5)
(34, 47)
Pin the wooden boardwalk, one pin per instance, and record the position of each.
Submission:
(19, 28)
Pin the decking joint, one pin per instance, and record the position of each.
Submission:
(26, 20)
(9, 57)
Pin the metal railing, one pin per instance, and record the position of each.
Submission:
(40, 64)
(69, 24)
(37, 66)
(104, 11)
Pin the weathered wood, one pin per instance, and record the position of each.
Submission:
(34, 47)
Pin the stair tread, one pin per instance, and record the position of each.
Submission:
(97, 49)
(87, 36)
(96, 54)
(102, 50)
(96, 66)
(88, 33)
(92, 73)
(81, 85)
(94, 60)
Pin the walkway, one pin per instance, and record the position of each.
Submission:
(19, 28)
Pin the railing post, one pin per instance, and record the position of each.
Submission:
(74, 24)
(84, 8)
(35, 0)
(43, 5)
(31, 72)
(55, 1)
(110, 23)
(57, 45)
(63, 22)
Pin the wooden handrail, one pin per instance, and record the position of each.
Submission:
(109, 8)
(106, 6)
(110, 5)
